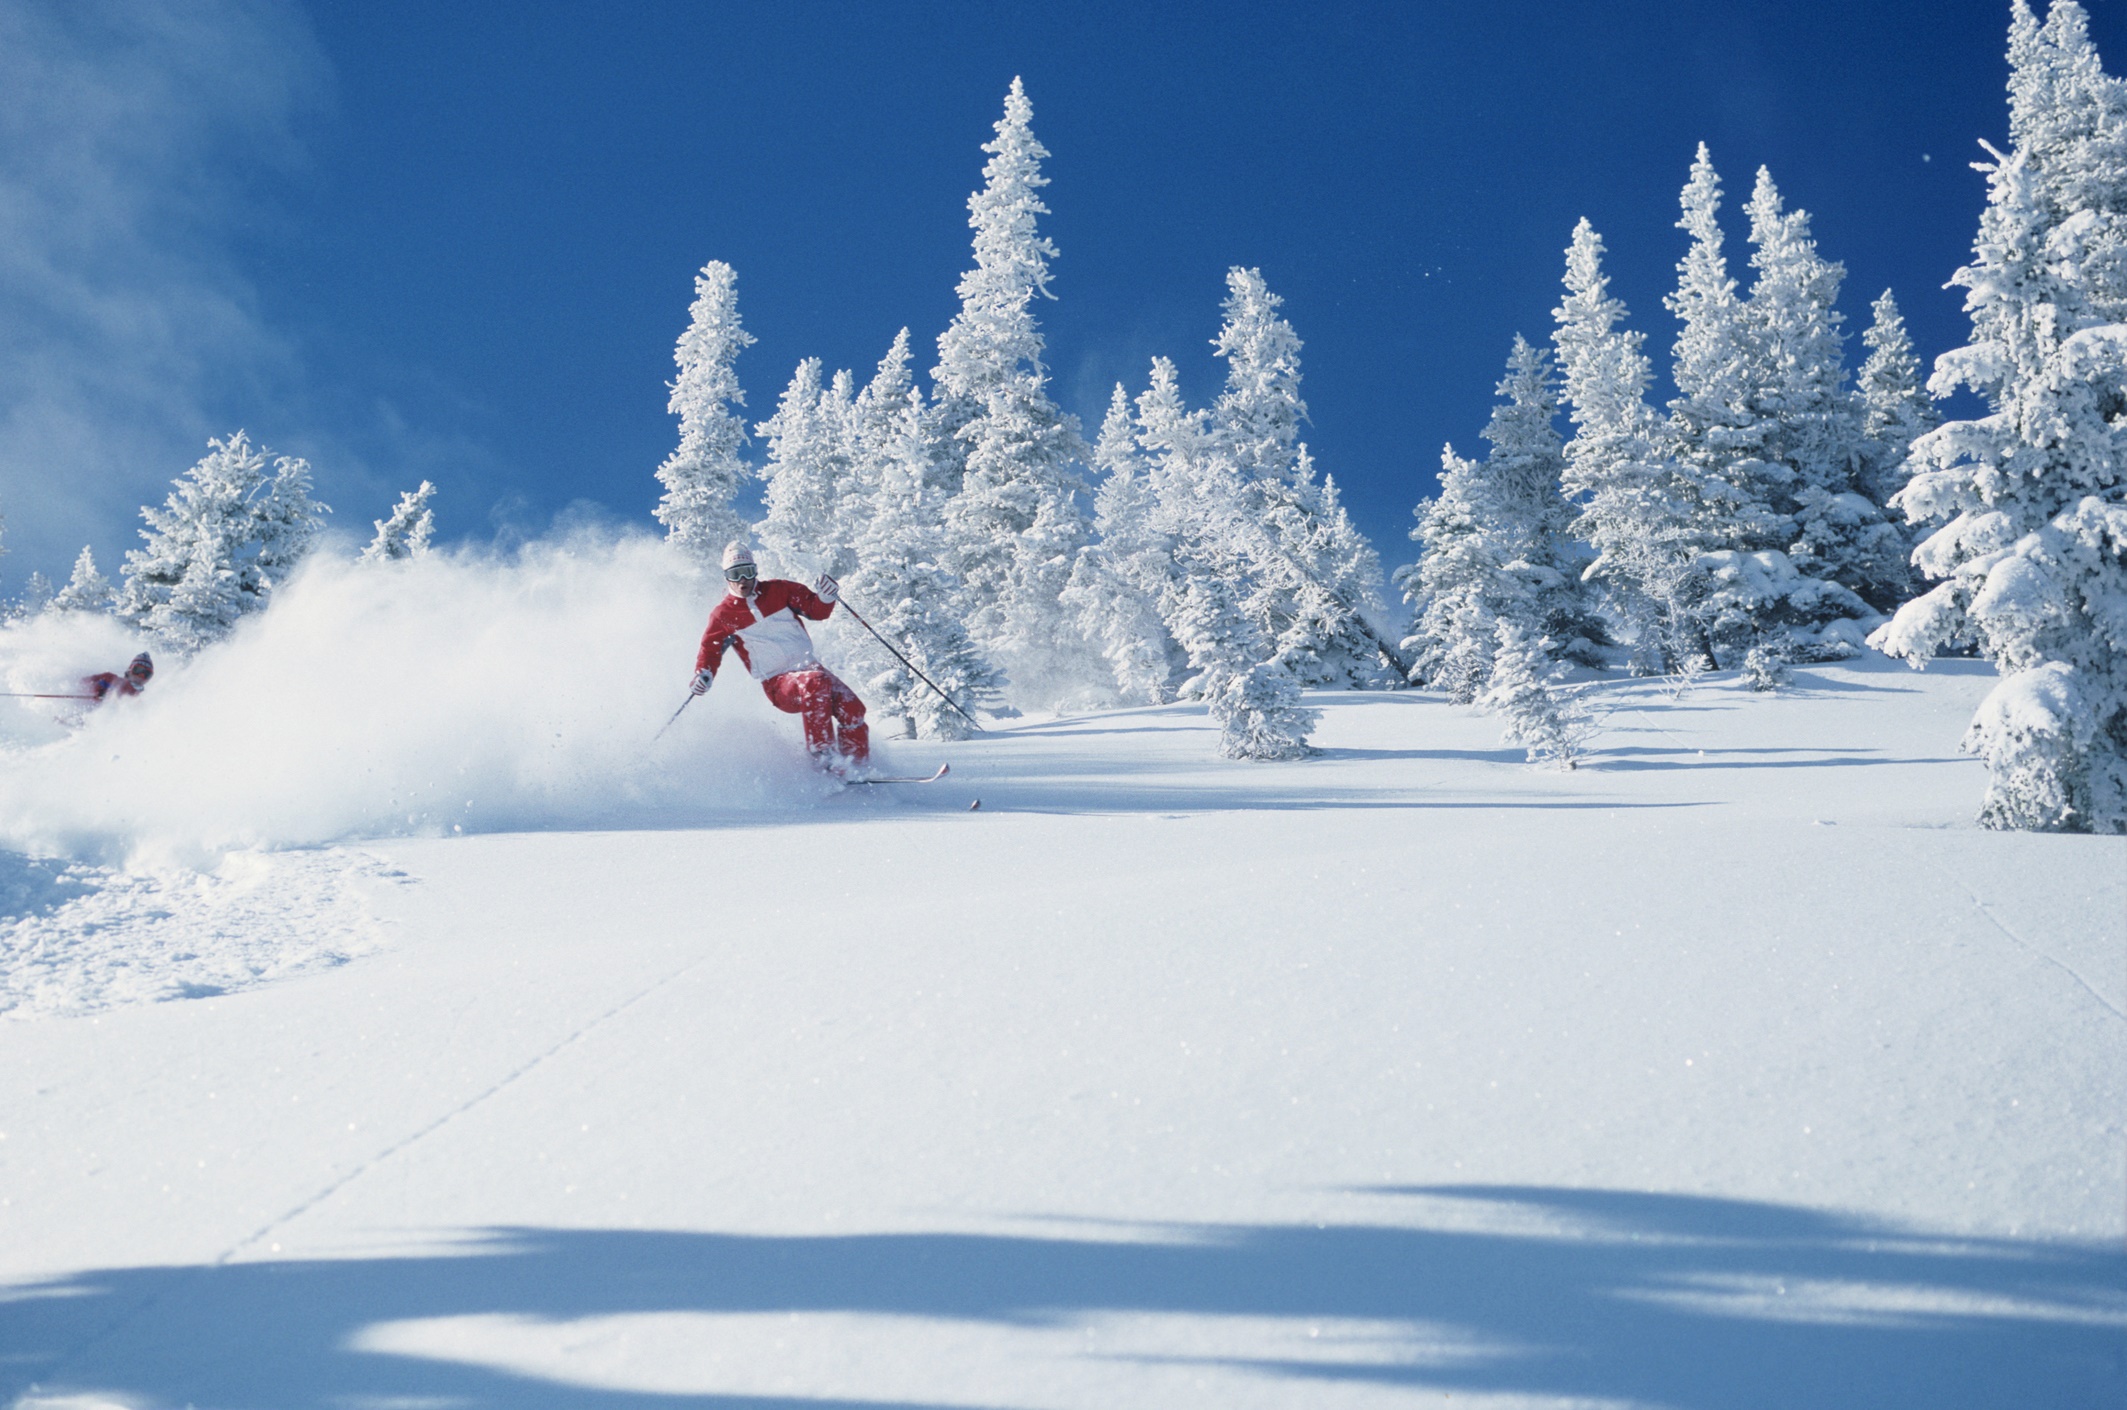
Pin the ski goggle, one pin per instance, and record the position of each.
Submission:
(740, 572)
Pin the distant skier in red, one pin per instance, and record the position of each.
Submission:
(101, 685)
(765, 624)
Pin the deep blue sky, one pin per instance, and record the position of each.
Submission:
(461, 245)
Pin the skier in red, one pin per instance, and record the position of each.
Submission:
(101, 685)
(765, 624)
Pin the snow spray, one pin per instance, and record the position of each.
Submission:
(464, 691)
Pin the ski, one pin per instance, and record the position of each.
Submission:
(942, 771)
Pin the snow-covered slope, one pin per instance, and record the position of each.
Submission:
(1736, 1068)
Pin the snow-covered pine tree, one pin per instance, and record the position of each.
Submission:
(1715, 431)
(1009, 454)
(1204, 507)
(35, 596)
(1457, 583)
(286, 523)
(1895, 411)
(908, 597)
(224, 539)
(405, 534)
(1811, 440)
(702, 477)
(1121, 578)
(1616, 470)
(1495, 543)
(2032, 498)
(1552, 724)
(87, 590)
(809, 476)
(1319, 579)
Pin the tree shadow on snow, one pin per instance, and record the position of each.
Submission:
(1607, 761)
(1700, 1304)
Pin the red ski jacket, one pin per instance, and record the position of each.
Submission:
(766, 629)
(104, 682)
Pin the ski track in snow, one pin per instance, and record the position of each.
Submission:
(77, 938)
(76, 1356)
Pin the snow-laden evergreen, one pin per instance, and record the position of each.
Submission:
(1896, 409)
(405, 534)
(1765, 666)
(893, 506)
(704, 474)
(1551, 723)
(808, 476)
(1616, 468)
(35, 596)
(1009, 455)
(1716, 430)
(1494, 542)
(86, 590)
(226, 536)
(1318, 580)
(2031, 555)
(1765, 442)
(1204, 505)
(1120, 580)
(1812, 441)
(907, 597)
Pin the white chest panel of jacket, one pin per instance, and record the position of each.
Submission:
(777, 643)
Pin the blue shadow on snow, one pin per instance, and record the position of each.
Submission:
(1601, 1295)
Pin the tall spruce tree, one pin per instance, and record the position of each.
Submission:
(1812, 438)
(1496, 545)
(1716, 430)
(703, 476)
(1895, 411)
(1008, 454)
(1318, 578)
(1617, 471)
(2031, 555)
(1120, 580)
(809, 476)
(1251, 694)
(895, 570)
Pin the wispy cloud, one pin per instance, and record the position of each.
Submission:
(140, 142)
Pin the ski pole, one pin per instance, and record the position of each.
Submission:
(911, 665)
(31, 695)
(675, 718)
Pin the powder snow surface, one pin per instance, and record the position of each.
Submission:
(1735, 1069)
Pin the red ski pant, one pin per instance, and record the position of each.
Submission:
(833, 716)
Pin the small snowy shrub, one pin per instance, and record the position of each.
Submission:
(1259, 714)
(1690, 665)
(1551, 723)
(1765, 667)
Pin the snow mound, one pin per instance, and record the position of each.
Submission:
(457, 692)
(82, 939)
